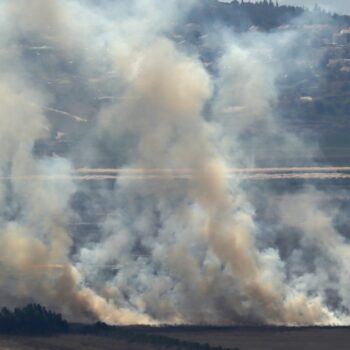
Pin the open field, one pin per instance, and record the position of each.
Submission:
(243, 338)
(68, 342)
(268, 339)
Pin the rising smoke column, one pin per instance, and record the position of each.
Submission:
(164, 118)
(163, 251)
(35, 242)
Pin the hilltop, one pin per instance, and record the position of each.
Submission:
(266, 14)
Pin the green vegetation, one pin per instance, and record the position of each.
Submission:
(36, 320)
(265, 14)
(31, 320)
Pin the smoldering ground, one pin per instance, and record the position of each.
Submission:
(120, 85)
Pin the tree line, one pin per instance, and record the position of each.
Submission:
(32, 319)
(35, 319)
(265, 14)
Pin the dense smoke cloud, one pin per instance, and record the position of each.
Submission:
(132, 97)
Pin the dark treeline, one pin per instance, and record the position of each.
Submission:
(265, 14)
(33, 319)
(36, 320)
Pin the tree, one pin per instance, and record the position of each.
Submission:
(32, 319)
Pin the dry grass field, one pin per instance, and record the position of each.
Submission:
(244, 339)
(269, 339)
(68, 342)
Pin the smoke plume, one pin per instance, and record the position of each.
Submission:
(168, 231)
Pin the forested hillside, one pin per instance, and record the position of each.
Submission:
(264, 14)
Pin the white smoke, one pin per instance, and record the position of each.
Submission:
(183, 246)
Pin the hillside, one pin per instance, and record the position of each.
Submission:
(266, 15)
(314, 94)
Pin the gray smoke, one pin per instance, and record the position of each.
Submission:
(124, 89)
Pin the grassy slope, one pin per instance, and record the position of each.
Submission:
(308, 339)
(245, 339)
(68, 342)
